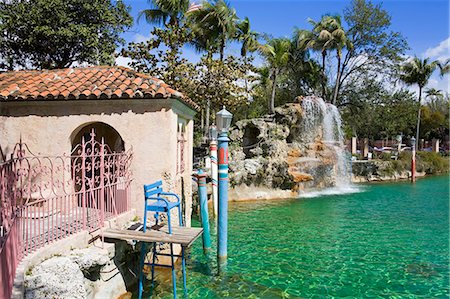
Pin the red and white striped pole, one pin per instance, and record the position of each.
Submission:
(214, 175)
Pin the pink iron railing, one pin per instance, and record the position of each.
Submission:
(47, 198)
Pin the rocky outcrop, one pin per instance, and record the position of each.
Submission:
(58, 277)
(281, 152)
(89, 273)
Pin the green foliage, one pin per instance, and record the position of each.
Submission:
(214, 25)
(433, 163)
(417, 71)
(57, 33)
(246, 36)
(168, 65)
(167, 12)
(371, 37)
(219, 82)
(277, 53)
(370, 110)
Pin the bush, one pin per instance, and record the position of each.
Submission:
(433, 162)
(383, 156)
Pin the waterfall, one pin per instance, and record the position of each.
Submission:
(333, 136)
(322, 121)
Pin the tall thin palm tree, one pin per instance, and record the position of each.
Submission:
(218, 20)
(165, 12)
(326, 35)
(418, 71)
(336, 39)
(249, 41)
(248, 37)
(276, 53)
(307, 39)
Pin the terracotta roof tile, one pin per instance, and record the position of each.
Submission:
(100, 82)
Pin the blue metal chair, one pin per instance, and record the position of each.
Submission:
(155, 202)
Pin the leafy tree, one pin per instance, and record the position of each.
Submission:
(48, 34)
(276, 52)
(418, 71)
(369, 110)
(435, 115)
(375, 48)
(149, 57)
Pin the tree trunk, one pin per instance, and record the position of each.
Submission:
(338, 78)
(208, 106)
(324, 54)
(272, 98)
(222, 48)
(418, 118)
(202, 121)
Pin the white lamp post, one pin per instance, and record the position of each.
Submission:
(223, 118)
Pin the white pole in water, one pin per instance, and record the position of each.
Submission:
(214, 176)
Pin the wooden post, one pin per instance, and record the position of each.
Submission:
(365, 147)
(354, 147)
(435, 144)
(201, 176)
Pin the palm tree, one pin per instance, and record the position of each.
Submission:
(165, 12)
(435, 95)
(249, 41)
(216, 19)
(277, 53)
(248, 37)
(307, 39)
(418, 71)
(444, 67)
(337, 40)
(327, 34)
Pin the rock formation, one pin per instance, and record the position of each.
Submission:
(286, 151)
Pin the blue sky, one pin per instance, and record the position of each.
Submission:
(424, 23)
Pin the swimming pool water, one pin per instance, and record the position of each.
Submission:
(388, 241)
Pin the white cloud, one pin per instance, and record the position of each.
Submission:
(139, 38)
(439, 83)
(123, 61)
(440, 52)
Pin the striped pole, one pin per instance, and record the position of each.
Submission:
(213, 156)
(201, 176)
(222, 234)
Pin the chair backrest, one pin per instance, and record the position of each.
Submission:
(153, 190)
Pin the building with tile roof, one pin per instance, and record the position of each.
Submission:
(53, 110)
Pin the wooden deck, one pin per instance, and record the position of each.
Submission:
(184, 236)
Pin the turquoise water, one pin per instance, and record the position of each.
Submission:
(388, 241)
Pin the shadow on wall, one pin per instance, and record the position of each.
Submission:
(110, 135)
(83, 107)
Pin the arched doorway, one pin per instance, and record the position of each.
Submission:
(99, 168)
(110, 136)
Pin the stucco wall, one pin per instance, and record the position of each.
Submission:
(148, 126)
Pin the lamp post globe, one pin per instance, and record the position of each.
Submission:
(223, 118)
(212, 133)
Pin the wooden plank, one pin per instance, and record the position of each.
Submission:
(180, 235)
